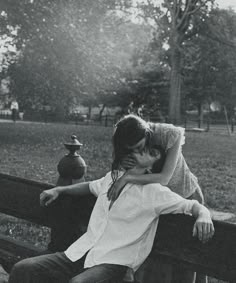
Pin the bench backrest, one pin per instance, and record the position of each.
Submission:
(68, 220)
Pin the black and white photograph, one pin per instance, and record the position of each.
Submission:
(117, 141)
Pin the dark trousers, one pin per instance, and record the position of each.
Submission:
(14, 115)
(57, 268)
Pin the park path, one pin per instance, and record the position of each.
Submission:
(19, 121)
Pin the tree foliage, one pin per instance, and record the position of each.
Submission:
(210, 61)
(176, 21)
(71, 51)
(93, 52)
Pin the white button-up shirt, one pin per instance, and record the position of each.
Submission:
(124, 234)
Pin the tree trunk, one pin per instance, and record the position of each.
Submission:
(200, 114)
(89, 111)
(175, 86)
(101, 111)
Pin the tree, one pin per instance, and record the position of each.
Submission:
(175, 22)
(222, 24)
(210, 61)
(70, 50)
(149, 78)
(8, 51)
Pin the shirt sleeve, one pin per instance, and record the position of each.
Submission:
(165, 202)
(96, 186)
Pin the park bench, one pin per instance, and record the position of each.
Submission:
(68, 219)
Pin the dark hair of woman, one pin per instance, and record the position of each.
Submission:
(128, 131)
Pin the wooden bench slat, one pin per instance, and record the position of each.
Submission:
(68, 219)
(20, 198)
(175, 243)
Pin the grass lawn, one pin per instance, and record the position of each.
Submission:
(33, 150)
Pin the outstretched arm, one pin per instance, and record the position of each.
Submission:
(166, 173)
(165, 202)
(79, 189)
(144, 160)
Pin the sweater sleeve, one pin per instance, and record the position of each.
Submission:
(166, 135)
(170, 134)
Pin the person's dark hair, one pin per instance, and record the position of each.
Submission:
(128, 131)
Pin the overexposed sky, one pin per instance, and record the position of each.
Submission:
(224, 4)
(227, 3)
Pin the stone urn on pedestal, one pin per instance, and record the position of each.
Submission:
(71, 167)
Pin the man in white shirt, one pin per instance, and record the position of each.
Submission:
(118, 240)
